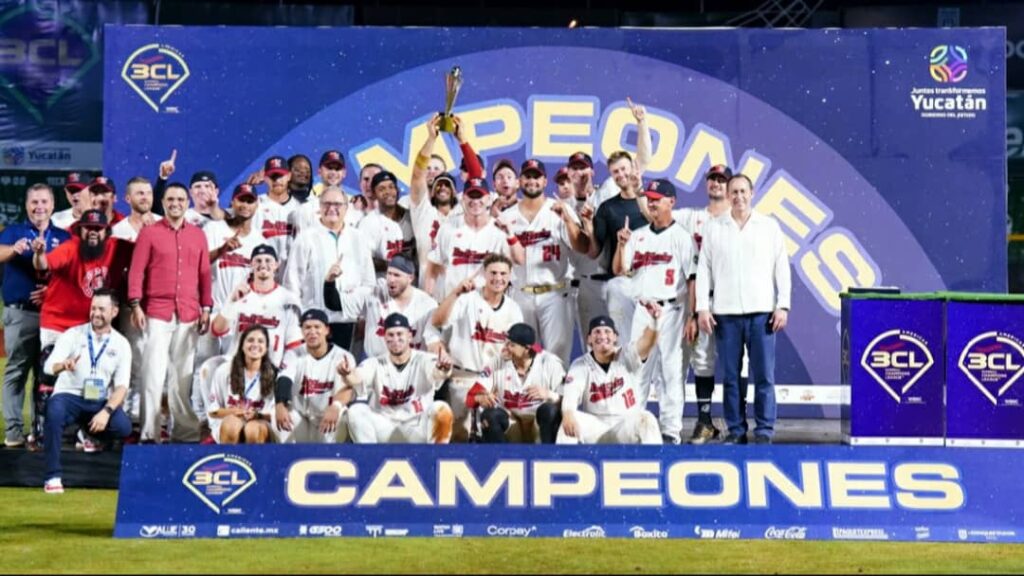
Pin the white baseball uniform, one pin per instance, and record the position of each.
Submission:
(546, 373)
(277, 310)
(400, 403)
(313, 254)
(307, 215)
(609, 405)
(661, 262)
(478, 333)
(375, 306)
(271, 220)
(383, 235)
(461, 251)
(540, 285)
(202, 382)
(221, 396)
(315, 381)
(232, 269)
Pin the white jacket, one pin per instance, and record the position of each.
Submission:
(314, 252)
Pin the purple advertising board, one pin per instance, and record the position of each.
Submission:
(984, 370)
(892, 364)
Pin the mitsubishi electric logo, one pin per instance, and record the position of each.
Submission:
(897, 359)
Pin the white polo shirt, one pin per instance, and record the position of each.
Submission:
(112, 353)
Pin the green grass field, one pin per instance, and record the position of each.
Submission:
(41, 533)
(72, 533)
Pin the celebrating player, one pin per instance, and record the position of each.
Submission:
(527, 378)
(400, 387)
(311, 396)
(241, 399)
(607, 383)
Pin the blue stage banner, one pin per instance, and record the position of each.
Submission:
(717, 492)
(882, 153)
(51, 81)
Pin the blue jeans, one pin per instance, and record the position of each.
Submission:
(65, 409)
(754, 331)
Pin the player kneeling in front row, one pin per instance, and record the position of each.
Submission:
(399, 390)
(608, 385)
(241, 401)
(525, 386)
(311, 396)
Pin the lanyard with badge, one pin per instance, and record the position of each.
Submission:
(95, 387)
(249, 386)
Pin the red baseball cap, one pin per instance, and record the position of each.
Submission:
(276, 165)
(101, 184)
(476, 188)
(333, 158)
(243, 190)
(74, 183)
(562, 174)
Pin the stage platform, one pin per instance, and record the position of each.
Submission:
(19, 467)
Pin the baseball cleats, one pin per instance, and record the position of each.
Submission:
(53, 486)
(704, 433)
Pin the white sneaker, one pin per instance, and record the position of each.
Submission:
(53, 486)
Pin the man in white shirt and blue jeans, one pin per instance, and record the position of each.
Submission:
(92, 363)
(743, 260)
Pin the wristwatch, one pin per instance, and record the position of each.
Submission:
(108, 410)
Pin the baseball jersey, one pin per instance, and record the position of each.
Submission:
(382, 234)
(277, 310)
(315, 381)
(509, 388)
(693, 220)
(546, 242)
(125, 231)
(314, 252)
(461, 250)
(661, 261)
(221, 395)
(614, 392)
(113, 364)
(72, 281)
(271, 220)
(479, 331)
(404, 394)
(63, 219)
(375, 306)
(232, 269)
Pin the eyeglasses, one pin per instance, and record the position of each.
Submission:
(338, 205)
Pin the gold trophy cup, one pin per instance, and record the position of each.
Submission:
(452, 85)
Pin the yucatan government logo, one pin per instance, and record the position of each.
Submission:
(219, 479)
(155, 72)
(993, 362)
(897, 359)
(948, 63)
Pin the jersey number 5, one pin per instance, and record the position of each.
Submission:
(670, 277)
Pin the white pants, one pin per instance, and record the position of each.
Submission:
(636, 427)
(551, 316)
(47, 337)
(664, 367)
(368, 427)
(169, 355)
(306, 430)
(620, 295)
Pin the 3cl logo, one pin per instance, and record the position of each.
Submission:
(155, 71)
(993, 362)
(217, 480)
(897, 359)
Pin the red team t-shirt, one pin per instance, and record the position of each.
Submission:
(72, 281)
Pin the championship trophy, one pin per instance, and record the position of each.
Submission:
(452, 85)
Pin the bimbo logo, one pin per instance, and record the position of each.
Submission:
(993, 362)
(897, 359)
(217, 480)
(155, 71)
(948, 63)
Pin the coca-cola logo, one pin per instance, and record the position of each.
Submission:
(790, 533)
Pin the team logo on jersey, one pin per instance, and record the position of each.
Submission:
(313, 387)
(599, 392)
(247, 320)
(93, 279)
(528, 239)
(274, 229)
(233, 260)
(484, 334)
(641, 259)
(518, 400)
(155, 72)
(897, 359)
(219, 479)
(393, 397)
(461, 257)
(993, 362)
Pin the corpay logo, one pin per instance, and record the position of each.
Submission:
(218, 479)
(897, 359)
(993, 362)
(511, 531)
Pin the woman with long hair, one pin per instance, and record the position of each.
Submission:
(242, 392)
